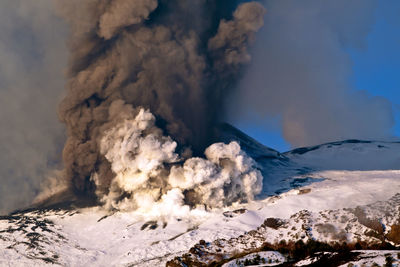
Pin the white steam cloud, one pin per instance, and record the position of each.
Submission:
(152, 178)
(300, 73)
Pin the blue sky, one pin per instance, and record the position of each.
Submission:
(376, 69)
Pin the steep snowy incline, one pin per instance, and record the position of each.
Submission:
(94, 237)
(348, 155)
(303, 181)
(285, 171)
(227, 133)
(370, 226)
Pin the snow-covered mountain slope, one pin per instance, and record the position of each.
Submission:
(285, 171)
(348, 155)
(354, 258)
(227, 133)
(311, 193)
(364, 226)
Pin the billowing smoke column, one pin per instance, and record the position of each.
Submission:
(151, 176)
(176, 58)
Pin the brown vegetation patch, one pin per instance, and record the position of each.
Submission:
(304, 191)
(273, 223)
(328, 229)
(373, 224)
(394, 234)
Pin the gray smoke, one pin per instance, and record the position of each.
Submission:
(177, 58)
(32, 56)
(301, 73)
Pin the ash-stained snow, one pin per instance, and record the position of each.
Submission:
(308, 194)
(368, 224)
(373, 258)
(263, 258)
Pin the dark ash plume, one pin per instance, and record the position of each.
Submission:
(177, 58)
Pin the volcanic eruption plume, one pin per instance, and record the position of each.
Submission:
(176, 59)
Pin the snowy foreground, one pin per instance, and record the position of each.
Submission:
(307, 199)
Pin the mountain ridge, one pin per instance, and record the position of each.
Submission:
(315, 185)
